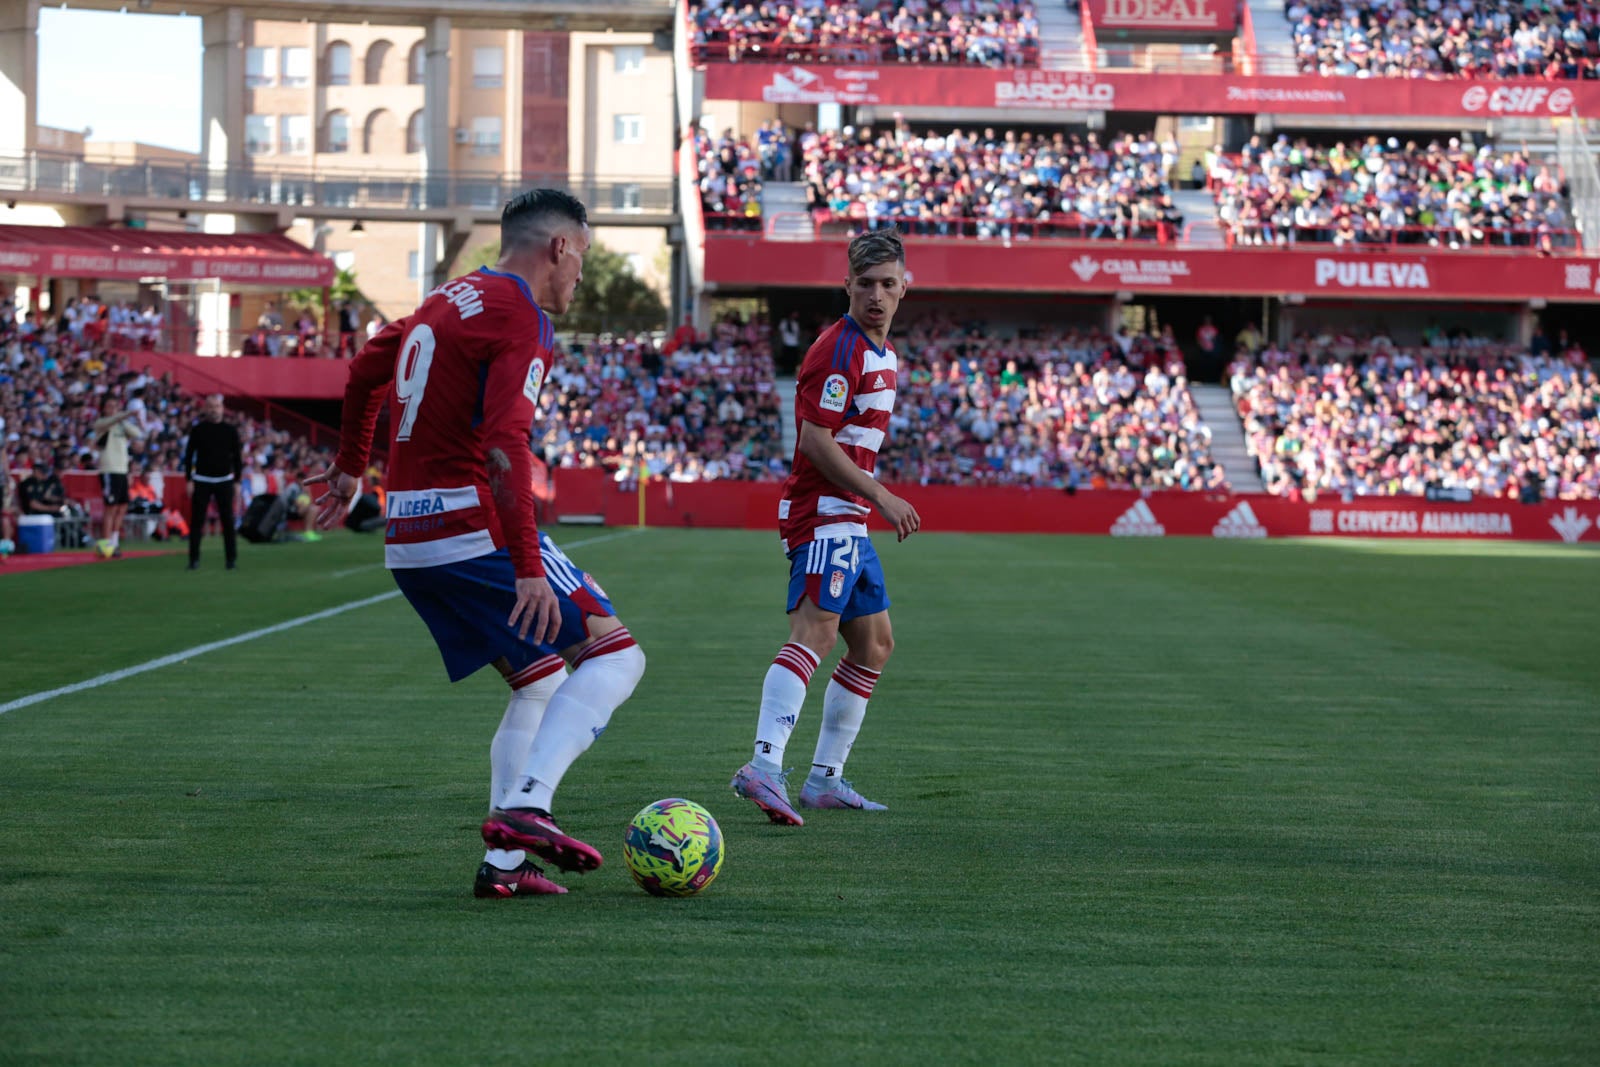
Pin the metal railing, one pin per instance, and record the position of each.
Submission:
(44, 173)
(1583, 178)
(1073, 228)
(934, 49)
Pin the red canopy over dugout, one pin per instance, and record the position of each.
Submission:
(260, 259)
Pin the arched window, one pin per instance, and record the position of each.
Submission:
(414, 133)
(416, 62)
(336, 132)
(377, 56)
(378, 134)
(336, 64)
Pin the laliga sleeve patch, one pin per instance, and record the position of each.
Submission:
(530, 388)
(834, 391)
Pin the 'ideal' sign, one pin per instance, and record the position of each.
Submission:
(1188, 16)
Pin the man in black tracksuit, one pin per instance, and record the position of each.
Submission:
(213, 463)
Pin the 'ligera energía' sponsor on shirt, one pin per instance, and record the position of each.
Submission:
(1361, 274)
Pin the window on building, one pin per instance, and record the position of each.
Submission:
(377, 56)
(486, 135)
(627, 129)
(625, 196)
(417, 61)
(1194, 122)
(295, 63)
(414, 133)
(488, 68)
(628, 59)
(294, 134)
(337, 62)
(336, 132)
(258, 134)
(259, 67)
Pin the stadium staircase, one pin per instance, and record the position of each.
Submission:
(783, 205)
(1227, 437)
(1060, 36)
(1199, 217)
(791, 433)
(1274, 42)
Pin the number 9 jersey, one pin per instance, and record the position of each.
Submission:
(462, 374)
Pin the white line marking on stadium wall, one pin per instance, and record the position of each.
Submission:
(213, 646)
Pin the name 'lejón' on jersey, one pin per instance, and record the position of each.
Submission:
(847, 385)
(462, 374)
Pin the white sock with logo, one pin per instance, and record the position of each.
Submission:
(602, 677)
(531, 690)
(844, 706)
(783, 693)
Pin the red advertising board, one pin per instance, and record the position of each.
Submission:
(980, 509)
(1188, 94)
(1163, 16)
(737, 259)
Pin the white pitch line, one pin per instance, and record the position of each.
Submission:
(266, 631)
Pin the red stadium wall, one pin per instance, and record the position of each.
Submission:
(259, 376)
(976, 509)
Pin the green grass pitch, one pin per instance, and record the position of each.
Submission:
(1150, 802)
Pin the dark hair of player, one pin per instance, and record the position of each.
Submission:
(534, 216)
(874, 247)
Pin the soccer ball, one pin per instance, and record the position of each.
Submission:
(7, 546)
(673, 848)
(104, 549)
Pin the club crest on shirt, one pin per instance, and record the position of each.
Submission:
(530, 388)
(833, 393)
(835, 583)
(588, 580)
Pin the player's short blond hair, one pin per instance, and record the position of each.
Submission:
(870, 249)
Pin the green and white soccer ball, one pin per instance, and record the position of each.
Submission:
(673, 848)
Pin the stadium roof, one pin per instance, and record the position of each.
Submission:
(487, 14)
(233, 259)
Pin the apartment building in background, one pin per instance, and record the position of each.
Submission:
(331, 99)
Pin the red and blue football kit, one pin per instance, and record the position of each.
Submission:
(846, 385)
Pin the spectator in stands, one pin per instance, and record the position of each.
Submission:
(270, 324)
(213, 463)
(1358, 417)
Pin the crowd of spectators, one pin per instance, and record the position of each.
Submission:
(54, 381)
(988, 33)
(699, 408)
(1363, 417)
(1554, 39)
(1005, 184)
(1383, 191)
(1064, 409)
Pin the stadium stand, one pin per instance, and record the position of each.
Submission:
(1457, 38)
(701, 408)
(1362, 417)
(1064, 409)
(1381, 192)
(987, 33)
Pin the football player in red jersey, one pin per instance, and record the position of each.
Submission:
(844, 396)
(462, 374)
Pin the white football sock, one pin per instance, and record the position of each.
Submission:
(782, 695)
(603, 676)
(531, 690)
(844, 706)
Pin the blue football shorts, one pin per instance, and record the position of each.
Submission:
(838, 574)
(465, 606)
